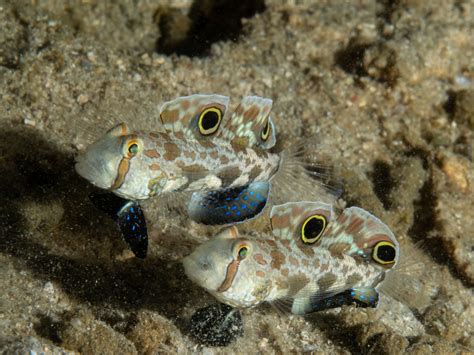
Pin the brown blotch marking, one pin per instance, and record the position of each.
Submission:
(327, 281)
(280, 222)
(239, 144)
(172, 151)
(169, 116)
(307, 250)
(251, 113)
(189, 154)
(151, 153)
(192, 168)
(154, 167)
(278, 259)
(324, 267)
(255, 172)
(260, 259)
(228, 175)
(224, 160)
(317, 263)
(342, 218)
(287, 244)
(371, 223)
(353, 279)
(154, 135)
(203, 155)
(214, 154)
(338, 250)
(272, 243)
(285, 272)
(207, 143)
(179, 135)
(297, 282)
(185, 104)
(293, 261)
(355, 226)
(260, 273)
(239, 110)
(306, 262)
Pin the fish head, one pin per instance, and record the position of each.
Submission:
(112, 163)
(226, 268)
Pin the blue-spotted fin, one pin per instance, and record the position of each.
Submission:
(312, 261)
(219, 156)
(129, 217)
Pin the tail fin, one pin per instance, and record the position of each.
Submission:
(305, 173)
(409, 281)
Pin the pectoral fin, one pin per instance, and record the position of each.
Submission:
(129, 217)
(229, 205)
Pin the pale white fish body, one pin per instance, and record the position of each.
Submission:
(283, 270)
(222, 157)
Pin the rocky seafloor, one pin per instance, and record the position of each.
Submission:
(386, 86)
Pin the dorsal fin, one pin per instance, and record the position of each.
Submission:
(356, 232)
(250, 123)
(360, 234)
(196, 116)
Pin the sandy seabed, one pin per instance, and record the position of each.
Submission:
(387, 88)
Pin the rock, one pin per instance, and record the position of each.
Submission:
(154, 334)
(86, 334)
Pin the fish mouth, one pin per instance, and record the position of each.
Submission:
(202, 275)
(96, 171)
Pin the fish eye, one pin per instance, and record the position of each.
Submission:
(209, 121)
(265, 131)
(133, 148)
(313, 228)
(384, 253)
(242, 252)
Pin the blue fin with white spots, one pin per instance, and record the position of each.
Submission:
(230, 205)
(360, 297)
(129, 217)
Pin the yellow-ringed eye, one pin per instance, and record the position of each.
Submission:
(242, 253)
(313, 228)
(265, 131)
(384, 253)
(133, 148)
(209, 120)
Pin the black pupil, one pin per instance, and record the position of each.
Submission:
(133, 148)
(313, 228)
(386, 253)
(210, 120)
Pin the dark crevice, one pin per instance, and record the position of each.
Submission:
(386, 17)
(208, 22)
(342, 335)
(426, 229)
(449, 105)
(351, 58)
(383, 182)
(375, 60)
(48, 328)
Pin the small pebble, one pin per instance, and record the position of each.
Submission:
(456, 172)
